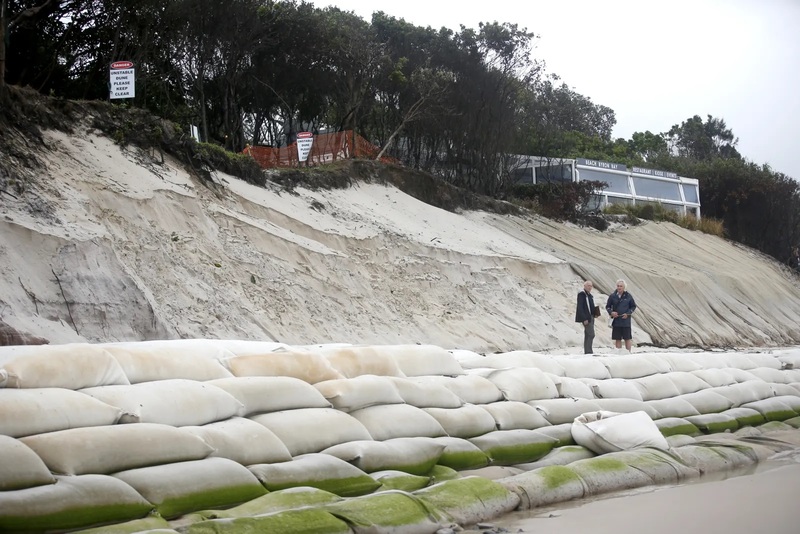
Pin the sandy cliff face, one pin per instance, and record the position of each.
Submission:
(127, 249)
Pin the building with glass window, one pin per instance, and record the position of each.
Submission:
(634, 185)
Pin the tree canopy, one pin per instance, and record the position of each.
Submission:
(455, 103)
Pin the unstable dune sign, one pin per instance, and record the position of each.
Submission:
(122, 80)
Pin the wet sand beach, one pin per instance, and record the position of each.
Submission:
(764, 501)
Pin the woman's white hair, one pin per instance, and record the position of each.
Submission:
(621, 281)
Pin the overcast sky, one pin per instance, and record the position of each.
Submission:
(656, 62)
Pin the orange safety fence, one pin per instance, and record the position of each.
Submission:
(326, 148)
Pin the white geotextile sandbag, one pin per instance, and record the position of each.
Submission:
(242, 440)
(603, 432)
(179, 488)
(264, 394)
(307, 366)
(628, 366)
(710, 360)
(583, 367)
(464, 422)
(564, 455)
(469, 500)
(511, 415)
(350, 394)
(707, 401)
(425, 395)
(523, 384)
(656, 387)
(310, 430)
(741, 375)
(471, 389)
(562, 433)
(687, 382)
(621, 405)
(410, 455)
(24, 412)
(785, 389)
(142, 363)
(70, 366)
(762, 359)
(789, 359)
(350, 362)
(460, 454)
(104, 450)
(744, 392)
(572, 387)
(560, 411)
(776, 376)
(73, 502)
(656, 359)
(715, 377)
(20, 466)
(511, 447)
(517, 358)
(673, 407)
(681, 362)
(614, 388)
(171, 402)
(398, 421)
(466, 355)
(422, 360)
(317, 470)
(243, 347)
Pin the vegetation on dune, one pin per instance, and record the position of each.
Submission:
(451, 104)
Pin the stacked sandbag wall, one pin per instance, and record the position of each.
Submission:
(204, 435)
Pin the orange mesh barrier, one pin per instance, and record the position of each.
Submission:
(327, 148)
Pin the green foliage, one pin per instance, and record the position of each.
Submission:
(240, 165)
(559, 201)
(657, 212)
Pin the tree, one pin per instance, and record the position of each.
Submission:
(7, 24)
(698, 140)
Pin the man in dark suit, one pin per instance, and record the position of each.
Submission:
(584, 314)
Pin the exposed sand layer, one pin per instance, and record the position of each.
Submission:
(107, 245)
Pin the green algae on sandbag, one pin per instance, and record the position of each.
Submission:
(605, 473)
(559, 456)
(276, 501)
(72, 502)
(544, 486)
(712, 423)
(562, 433)
(745, 416)
(321, 471)
(302, 521)
(662, 467)
(715, 457)
(390, 511)
(773, 409)
(793, 422)
(509, 447)
(460, 454)
(130, 527)
(441, 473)
(671, 426)
(679, 440)
(470, 500)
(399, 480)
(184, 487)
(415, 455)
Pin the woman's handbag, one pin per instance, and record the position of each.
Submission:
(611, 322)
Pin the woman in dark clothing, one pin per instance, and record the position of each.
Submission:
(620, 306)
